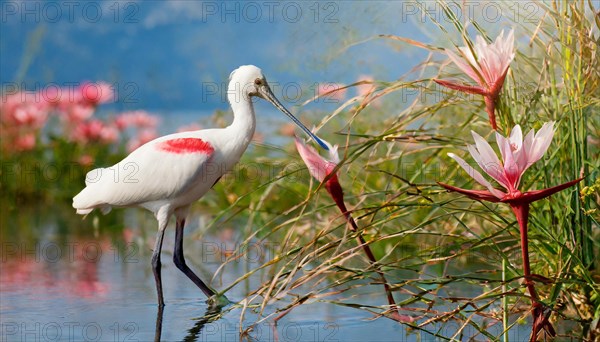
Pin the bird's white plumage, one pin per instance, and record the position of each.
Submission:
(147, 175)
(152, 178)
(167, 174)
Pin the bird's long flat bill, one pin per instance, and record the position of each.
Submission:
(268, 95)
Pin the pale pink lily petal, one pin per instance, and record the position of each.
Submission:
(465, 66)
(524, 156)
(514, 153)
(476, 176)
(541, 142)
(518, 147)
(488, 160)
(494, 170)
(516, 138)
(511, 169)
(503, 144)
(318, 166)
(494, 58)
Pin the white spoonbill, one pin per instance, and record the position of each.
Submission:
(168, 174)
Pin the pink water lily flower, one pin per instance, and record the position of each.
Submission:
(518, 154)
(487, 64)
(322, 169)
(318, 167)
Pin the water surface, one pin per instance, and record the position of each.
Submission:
(64, 279)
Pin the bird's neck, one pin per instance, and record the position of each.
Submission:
(244, 121)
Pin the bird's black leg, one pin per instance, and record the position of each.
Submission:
(158, 329)
(180, 260)
(156, 265)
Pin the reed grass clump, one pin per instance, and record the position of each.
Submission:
(450, 261)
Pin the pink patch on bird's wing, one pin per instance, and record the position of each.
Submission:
(185, 145)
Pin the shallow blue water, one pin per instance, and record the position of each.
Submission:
(63, 279)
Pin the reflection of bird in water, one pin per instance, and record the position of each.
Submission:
(168, 174)
(211, 314)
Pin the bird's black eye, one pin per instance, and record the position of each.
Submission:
(258, 81)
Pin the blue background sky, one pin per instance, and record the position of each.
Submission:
(163, 56)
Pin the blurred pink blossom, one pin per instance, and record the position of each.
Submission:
(137, 118)
(287, 129)
(24, 109)
(189, 128)
(121, 122)
(77, 112)
(95, 130)
(109, 134)
(87, 131)
(25, 142)
(52, 95)
(366, 88)
(80, 105)
(333, 91)
(96, 93)
(86, 160)
(143, 136)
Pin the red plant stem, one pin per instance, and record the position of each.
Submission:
(490, 108)
(336, 192)
(521, 211)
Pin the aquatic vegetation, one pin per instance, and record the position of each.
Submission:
(459, 268)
